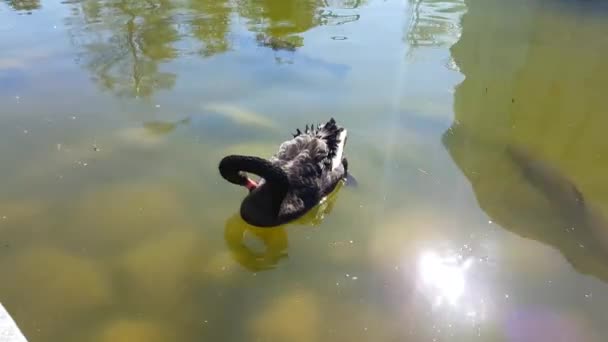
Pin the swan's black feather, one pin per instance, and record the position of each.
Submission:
(312, 169)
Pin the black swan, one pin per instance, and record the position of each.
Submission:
(304, 170)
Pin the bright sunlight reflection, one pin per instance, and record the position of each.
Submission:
(444, 277)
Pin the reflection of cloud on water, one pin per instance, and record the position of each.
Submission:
(240, 115)
(223, 122)
(251, 149)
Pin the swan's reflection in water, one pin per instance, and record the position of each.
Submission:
(238, 235)
(274, 240)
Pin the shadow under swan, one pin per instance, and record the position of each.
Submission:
(238, 235)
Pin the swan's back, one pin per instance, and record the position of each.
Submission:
(312, 161)
(314, 151)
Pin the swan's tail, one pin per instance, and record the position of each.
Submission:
(337, 159)
(335, 138)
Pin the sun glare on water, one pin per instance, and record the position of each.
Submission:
(447, 282)
(443, 276)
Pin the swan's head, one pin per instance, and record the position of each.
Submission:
(241, 178)
(234, 169)
(250, 184)
(262, 205)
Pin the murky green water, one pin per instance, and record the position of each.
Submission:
(116, 226)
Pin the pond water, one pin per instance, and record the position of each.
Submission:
(476, 134)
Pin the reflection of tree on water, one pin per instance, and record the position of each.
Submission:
(434, 22)
(124, 42)
(345, 4)
(276, 44)
(26, 6)
(543, 101)
(279, 23)
(274, 239)
(211, 25)
(530, 197)
(330, 17)
(280, 19)
(333, 19)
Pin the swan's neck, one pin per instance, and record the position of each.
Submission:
(262, 207)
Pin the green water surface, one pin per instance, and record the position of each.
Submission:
(115, 224)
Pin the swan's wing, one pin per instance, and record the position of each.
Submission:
(304, 178)
(291, 148)
(305, 168)
(304, 149)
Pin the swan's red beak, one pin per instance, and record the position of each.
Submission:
(251, 184)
